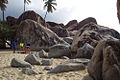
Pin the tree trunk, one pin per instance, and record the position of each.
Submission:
(45, 17)
(24, 5)
(3, 14)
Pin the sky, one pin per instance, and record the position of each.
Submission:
(104, 11)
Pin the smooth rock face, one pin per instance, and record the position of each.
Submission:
(66, 67)
(104, 64)
(87, 77)
(85, 52)
(38, 36)
(30, 15)
(33, 59)
(59, 50)
(20, 63)
(92, 33)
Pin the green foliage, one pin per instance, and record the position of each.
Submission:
(7, 32)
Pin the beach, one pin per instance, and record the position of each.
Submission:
(9, 73)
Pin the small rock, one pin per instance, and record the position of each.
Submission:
(20, 63)
(47, 62)
(29, 71)
(48, 68)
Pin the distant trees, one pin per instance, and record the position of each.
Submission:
(49, 5)
(26, 1)
(3, 6)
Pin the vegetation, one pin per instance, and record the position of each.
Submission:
(49, 4)
(7, 32)
(3, 6)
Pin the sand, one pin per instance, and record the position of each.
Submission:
(9, 73)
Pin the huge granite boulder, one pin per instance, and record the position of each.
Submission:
(61, 32)
(20, 63)
(38, 36)
(85, 52)
(71, 25)
(104, 64)
(59, 50)
(30, 15)
(92, 33)
(11, 20)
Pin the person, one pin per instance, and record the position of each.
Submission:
(14, 45)
(27, 49)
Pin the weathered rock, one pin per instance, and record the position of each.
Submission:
(38, 36)
(64, 57)
(82, 60)
(68, 66)
(43, 54)
(68, 39)
(85, 52)
(29, 71)
(48, 68)
(30, 15)
(104, 64)
(87, 77)
(47, 62)
(53, 24)
(61, 32)
(33, 58)
(92, 33)
(59, 50)
(11, 20)
(71, 25)
(20, 63)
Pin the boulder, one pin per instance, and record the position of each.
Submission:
(42, 54)
(61, 32)
(92, 33)
(29, 71)
(38, 36)
(11, 20)
(47, 62)
(87, 77)
(59, 50)
(85, 52)
(33, 58)
(104, 64)
(68, 40)
(71, 25)
(68, 66)
(20, 63)
(30, 15)
(48, 68)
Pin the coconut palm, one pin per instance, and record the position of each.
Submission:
(3, 6)
(49, 5)
(26, 1)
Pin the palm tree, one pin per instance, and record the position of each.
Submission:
(49, 4)
(3, 6)
(26, 1)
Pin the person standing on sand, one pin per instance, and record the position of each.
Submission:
(14, 45)
(27, 49)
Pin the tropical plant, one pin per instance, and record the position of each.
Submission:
(3, 6)
(49, 5)
(26, 1)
